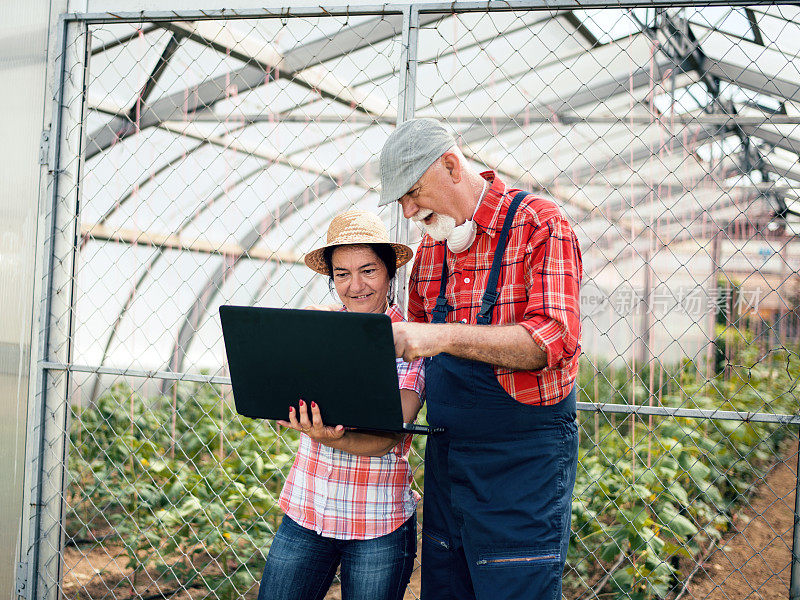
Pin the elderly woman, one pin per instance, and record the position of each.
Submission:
(348, 499)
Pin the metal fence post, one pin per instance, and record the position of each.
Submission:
(794, 582)
(405, 111)
(47, 458)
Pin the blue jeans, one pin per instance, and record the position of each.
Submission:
(301, 564)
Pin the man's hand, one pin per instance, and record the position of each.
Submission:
(313, 427)
(509, 346)
(415, 340)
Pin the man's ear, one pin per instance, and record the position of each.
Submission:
(451, 162)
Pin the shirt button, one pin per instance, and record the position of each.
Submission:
(466, 279)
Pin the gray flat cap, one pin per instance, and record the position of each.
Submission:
(410, 150)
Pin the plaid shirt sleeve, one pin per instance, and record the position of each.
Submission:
(416, 306)
(411, 376)
(553, 269)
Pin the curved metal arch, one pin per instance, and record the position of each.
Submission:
(150, 177)
(155, 258)
(196, 314)
(204, 141)
(136, 187)
(325, 181)
(252, 75)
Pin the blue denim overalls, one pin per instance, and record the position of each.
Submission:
(498, 481)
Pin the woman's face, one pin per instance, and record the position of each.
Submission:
(360, 278)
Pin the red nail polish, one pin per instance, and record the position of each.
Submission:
(301, 403)
(313, 405)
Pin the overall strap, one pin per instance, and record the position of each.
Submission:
(490, 295)
(442, 308)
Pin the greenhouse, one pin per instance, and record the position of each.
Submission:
(192, 157)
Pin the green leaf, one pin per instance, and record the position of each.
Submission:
(699, 472)
(670, 549)
(675, 489)
(190, 507)
(609, 551)
(681, 526)
(654, 543)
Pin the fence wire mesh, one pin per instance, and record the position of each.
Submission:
(198, 159)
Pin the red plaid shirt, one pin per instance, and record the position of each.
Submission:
(344, 496)
(539, 287)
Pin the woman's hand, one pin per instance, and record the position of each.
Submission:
(313, 427)
(339, 438)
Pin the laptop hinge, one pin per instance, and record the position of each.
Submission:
(414, 428)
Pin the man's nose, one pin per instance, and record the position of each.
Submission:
(409, 208)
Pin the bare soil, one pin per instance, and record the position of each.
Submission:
(101, 573)
(753, 560)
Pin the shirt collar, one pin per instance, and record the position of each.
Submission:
(488, 212)
(394, 313)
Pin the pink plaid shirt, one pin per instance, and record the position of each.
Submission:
(344, 496)
(539, 287)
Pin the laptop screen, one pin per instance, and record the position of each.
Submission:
(343, 361)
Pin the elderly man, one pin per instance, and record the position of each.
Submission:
(494, 305)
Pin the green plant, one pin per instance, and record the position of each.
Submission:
(189, 489)
(196, 501)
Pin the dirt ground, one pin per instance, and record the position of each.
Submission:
(753, 560)
(102, 573)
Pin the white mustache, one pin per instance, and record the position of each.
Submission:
(440, 228)
(423, 214)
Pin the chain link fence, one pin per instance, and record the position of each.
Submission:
(195, 157)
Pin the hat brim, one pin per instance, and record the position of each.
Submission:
(315, 259)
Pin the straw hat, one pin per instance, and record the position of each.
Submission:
(356, 227)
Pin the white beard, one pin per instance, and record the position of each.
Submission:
(440, 228)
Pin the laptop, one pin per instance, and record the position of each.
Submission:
(343, 361)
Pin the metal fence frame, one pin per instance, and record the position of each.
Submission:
(65, 154)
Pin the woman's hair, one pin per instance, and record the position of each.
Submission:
(384, 252)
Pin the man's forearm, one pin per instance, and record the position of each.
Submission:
(509, 346)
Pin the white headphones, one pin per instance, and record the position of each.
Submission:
(463, 236)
